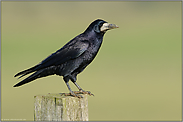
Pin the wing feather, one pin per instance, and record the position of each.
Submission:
(68, 52)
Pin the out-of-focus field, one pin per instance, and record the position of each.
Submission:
(135, 76)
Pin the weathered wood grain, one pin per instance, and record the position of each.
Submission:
(54, 107)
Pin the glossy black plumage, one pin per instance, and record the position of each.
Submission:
(71, 59)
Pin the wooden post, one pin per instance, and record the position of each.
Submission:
(54, 107)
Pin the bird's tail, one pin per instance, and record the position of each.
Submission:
(25, 72)
(30, 78)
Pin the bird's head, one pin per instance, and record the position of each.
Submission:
(101, 26)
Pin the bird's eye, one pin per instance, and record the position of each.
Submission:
(97, 28)
(100, 25)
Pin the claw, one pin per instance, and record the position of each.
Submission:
(76, 95)
(71, 94)
(89, 93)
(83, 92)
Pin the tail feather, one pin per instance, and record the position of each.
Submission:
(29, 79)
(25, 72)
(24, 75)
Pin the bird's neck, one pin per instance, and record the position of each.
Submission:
(92, 35)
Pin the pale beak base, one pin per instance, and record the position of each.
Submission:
(108, 26)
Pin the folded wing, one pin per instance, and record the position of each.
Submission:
(69, 52)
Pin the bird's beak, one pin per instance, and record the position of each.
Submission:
(108, 26)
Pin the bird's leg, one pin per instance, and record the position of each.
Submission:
(71, 92)
(66, 79)
(81, 90)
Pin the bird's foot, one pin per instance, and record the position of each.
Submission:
(83, 92)
(72, 94)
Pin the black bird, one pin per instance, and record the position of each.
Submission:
(72, 58)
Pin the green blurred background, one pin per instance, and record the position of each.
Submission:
(135, 76)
